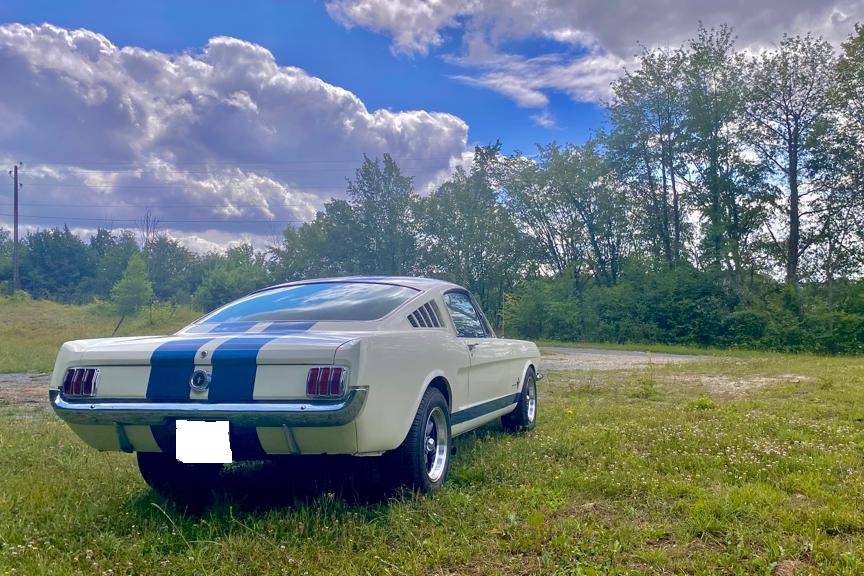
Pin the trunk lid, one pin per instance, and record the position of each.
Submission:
(243, 366)
(260, 348)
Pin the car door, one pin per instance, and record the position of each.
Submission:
(488, 375)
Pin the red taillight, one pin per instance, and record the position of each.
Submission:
(67, 382)
(76, 382)
(326, 381)
(80, 382)
(87, 384)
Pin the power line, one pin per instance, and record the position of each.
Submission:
(164, 205)
(306, 161)
(171, 221)
(167, 186)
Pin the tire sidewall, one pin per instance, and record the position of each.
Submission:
(433, 398)
(530, 383)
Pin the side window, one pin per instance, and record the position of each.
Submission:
(465, 317)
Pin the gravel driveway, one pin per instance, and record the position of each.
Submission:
(24, 389)
(567, 358)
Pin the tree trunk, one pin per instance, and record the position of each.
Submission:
(665, 228)
(794, 242)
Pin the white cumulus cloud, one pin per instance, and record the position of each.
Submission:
(223, 139)
(596, 37)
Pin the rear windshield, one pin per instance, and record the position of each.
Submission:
(314, 302)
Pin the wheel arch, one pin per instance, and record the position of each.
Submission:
(440, 382)
(530, 365)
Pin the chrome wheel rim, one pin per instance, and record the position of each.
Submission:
(531, 391)
(436, 442)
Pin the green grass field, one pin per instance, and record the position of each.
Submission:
(728, 466)
(31, 331)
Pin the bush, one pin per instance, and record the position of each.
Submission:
(133, 291)
(691, 307)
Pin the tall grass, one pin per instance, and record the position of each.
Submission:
(727, 466)
(31, 331)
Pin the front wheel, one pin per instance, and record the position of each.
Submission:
(422, 461)
(524, 417)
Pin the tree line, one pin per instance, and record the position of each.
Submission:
(722, 203)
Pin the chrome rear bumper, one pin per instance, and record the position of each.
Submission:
(294, 413)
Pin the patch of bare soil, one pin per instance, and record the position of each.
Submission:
(788, 568)
(737, 385)
(561, 358)
(24, 390)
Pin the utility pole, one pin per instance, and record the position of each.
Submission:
(16, 278)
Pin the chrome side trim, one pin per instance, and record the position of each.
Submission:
(296, 413)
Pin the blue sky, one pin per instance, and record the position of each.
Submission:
(301, 33)
(228, 121)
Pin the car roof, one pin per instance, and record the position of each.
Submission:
(417, 283)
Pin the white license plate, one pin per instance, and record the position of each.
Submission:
(203, 442)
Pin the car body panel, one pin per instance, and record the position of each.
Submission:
(265, 364)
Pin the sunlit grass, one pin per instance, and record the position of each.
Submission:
(724, 466)
(31, 331)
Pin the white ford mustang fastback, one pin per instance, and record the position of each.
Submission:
(378, 366)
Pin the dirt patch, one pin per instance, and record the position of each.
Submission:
(560, 358)
(736, 385)
(788, 568)
(23, 390)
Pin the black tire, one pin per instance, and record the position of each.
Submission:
(411, 465)
(524, 417)
(189, 484)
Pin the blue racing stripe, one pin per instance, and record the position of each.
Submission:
(235, 363)
(232, 327)
(285, 327)
(483, 409)
(171, 367)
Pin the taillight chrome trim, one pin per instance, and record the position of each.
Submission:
(325, 375)
(80, 382)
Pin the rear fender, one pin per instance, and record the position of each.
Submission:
(427, 381)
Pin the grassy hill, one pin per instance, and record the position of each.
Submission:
(31, 331)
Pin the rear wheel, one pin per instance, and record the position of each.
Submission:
(524, 417)
(190, 484)
(423, 460)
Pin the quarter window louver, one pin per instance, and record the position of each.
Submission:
(419, 318)
(432, 316)
(437, 313)
(427, 316)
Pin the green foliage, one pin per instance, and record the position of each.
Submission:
(239, 272)
(133, 291)
(5, 260)
(111, 253)
(468, 236)
(174, 270)
(686, 306)
(55, 263)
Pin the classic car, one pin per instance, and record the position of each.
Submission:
(363, 366)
